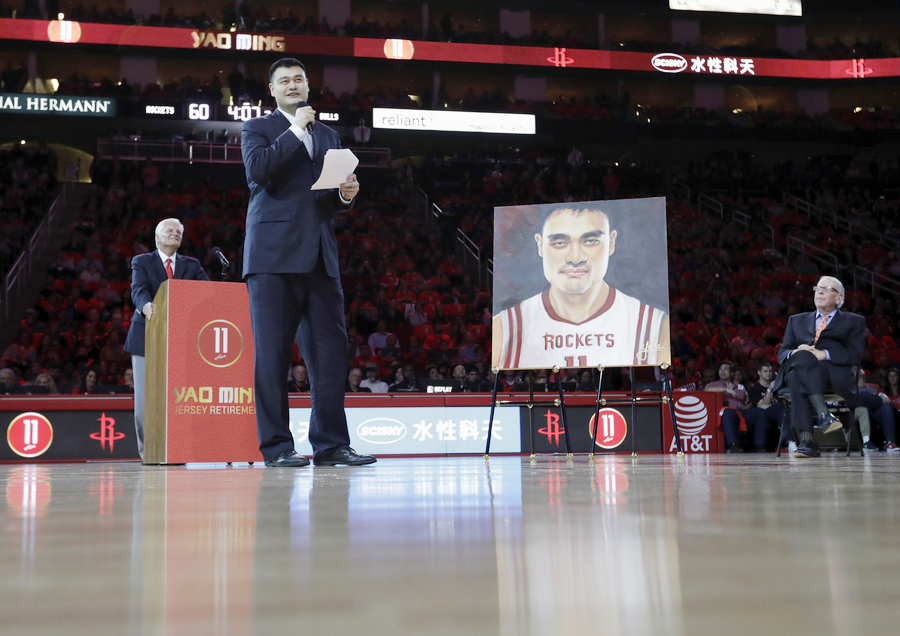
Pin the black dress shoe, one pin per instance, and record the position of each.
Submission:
(734, 448)
(828, 423)
(288, 459)
(806, 449)
(346, 457)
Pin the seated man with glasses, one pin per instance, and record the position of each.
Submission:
(819, 350)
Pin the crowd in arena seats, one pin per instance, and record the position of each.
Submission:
(413, 311)
(259, 18)
(27, 187)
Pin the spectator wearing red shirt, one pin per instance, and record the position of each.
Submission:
(433, 341)
(365, 357)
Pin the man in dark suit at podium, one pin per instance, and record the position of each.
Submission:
(818, 352)
(292, 273)
(148, 272)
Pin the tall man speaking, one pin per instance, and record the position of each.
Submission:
(292, 273)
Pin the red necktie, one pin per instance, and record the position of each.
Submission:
(171, 274)
(820, 328)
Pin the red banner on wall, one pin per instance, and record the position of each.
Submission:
(69, 32)
(697, 418)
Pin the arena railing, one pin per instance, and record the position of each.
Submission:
(823, 257)
(470, 251)
(20, 273)
(681, 189)
(837, 221)
(708, 205)
(207, 152)
(874, 282)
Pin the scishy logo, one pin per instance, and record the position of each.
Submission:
(669, 63)
(691, 415)
(381, 430)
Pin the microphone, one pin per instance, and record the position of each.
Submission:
(221, 258)
(309, 127)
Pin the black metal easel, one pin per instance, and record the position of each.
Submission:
(560, 402)
(530, 404)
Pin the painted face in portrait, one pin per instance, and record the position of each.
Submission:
(575, 248)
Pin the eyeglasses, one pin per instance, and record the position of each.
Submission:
(825, 289)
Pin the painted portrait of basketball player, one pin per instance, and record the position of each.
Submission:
(581, 284)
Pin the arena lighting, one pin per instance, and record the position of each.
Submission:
(766, 7)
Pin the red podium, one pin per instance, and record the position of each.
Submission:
(199, 396)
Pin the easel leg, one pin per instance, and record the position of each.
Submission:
(671, 404)
(633, 416)
(487, 448)
(597, 411)
(531, 416)
(562, 411)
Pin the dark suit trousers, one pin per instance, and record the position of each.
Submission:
(309, 307)
(805, 376)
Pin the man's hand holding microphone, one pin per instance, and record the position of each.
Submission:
(305, 118)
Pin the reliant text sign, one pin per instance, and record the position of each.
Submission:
(453, 121)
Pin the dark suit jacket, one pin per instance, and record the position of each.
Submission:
(147, 274)
(286, 221)
(844, 338)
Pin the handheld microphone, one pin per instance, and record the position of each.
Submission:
(309, 127)
(221, 258)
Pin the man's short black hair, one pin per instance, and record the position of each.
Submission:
(577, 208)
(763, 364)
(285, 62)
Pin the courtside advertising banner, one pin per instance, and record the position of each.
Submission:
(439, 430)
(581, 284)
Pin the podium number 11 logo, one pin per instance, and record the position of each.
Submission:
(220, 343)
(221, 340)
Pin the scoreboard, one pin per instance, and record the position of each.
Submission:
(201, 111)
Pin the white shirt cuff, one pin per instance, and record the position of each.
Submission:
(345, 201)
(300, 132)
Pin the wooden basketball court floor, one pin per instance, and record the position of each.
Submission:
(657, 545)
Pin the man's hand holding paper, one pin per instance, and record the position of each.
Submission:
(337, 172)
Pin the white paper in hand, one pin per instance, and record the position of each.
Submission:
(339, 164)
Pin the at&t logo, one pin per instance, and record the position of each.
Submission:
(220, 343)
(611, 430)
(29, 435)
(691, 417)
(107, 432)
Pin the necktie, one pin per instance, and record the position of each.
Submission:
(171, 274)
(820, 328)
(308, 142)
